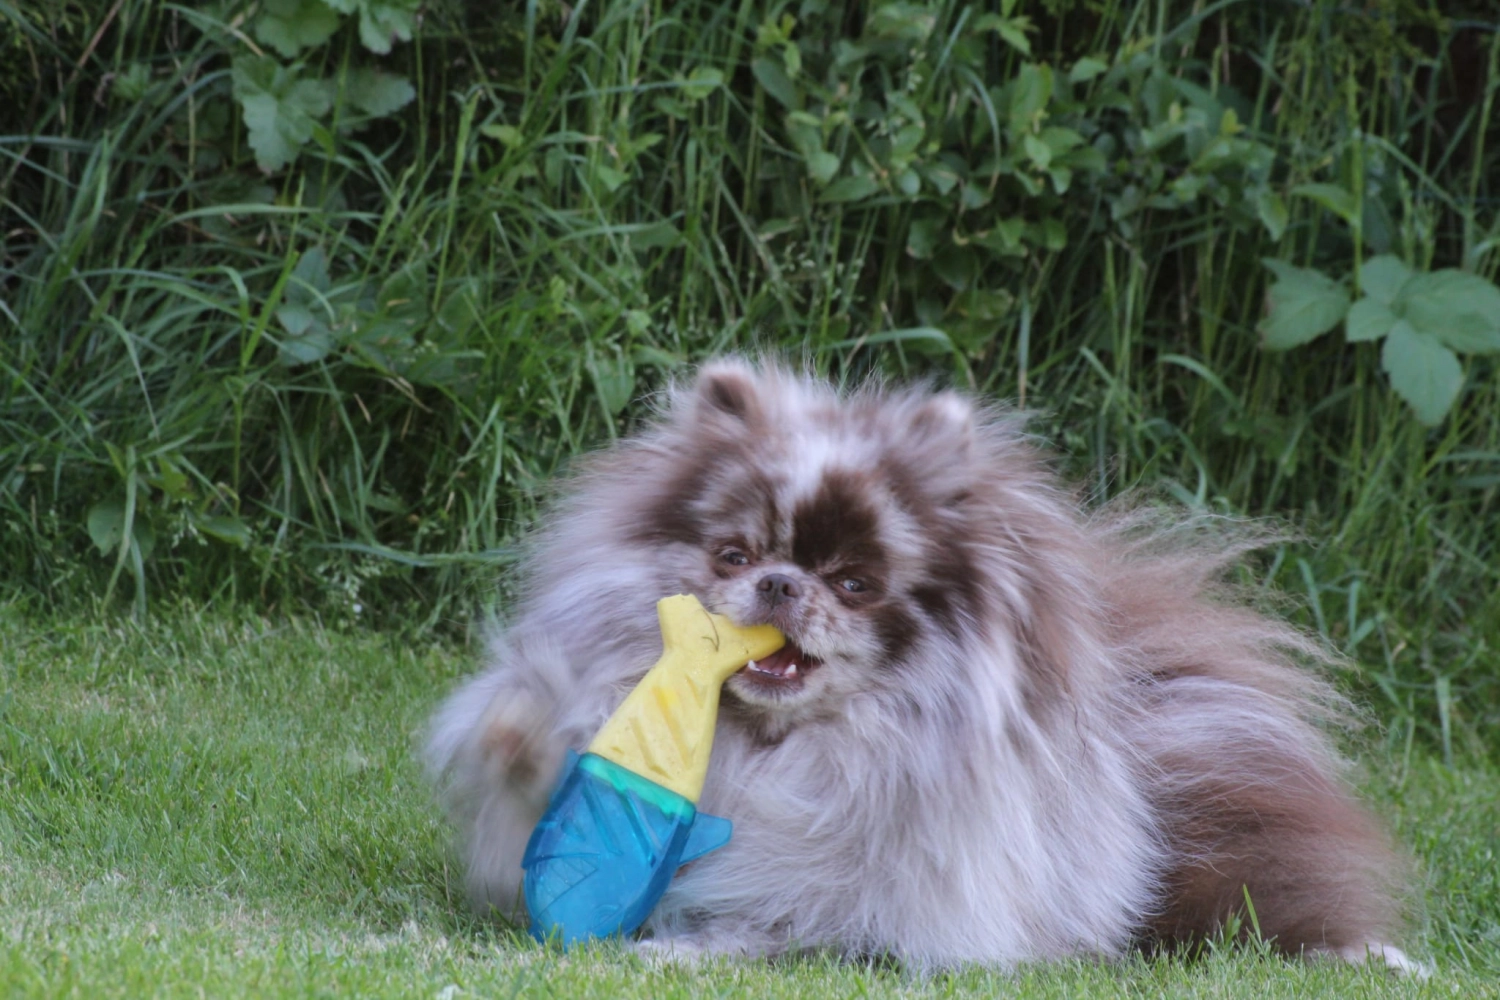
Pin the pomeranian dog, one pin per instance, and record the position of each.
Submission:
(1003, 730)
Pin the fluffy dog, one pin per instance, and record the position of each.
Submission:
(1004, 730)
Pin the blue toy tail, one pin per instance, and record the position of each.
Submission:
(604, 851)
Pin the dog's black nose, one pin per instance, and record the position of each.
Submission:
(778, 587)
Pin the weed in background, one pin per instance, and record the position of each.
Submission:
(280, 335)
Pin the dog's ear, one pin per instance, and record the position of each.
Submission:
(727, 390)
(942, 427)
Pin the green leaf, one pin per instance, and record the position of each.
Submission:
(656, 236)
(1332, 197)
(1030, 92)
(1368, 320)
(378, 93)
(1015, 36)
(132, 84)
(281, 109)
(770, 75)
(855, 188)
(1086, 69)
(289, 26)
(1304, 305)
(1272, 212)
(614, 380)
(309, 276)
(314, 343)
(381, 22)
(701, 82)
(225, 528)
(611, 178)
(1005, 238)
(822, 166)
(923, 235)
(1012, 29)
(956, 265)
(1424, 372)
(1458, 308)
(106, 524)
(1381, 278)
(509, 135)
(1037, 151)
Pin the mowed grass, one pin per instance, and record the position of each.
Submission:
(217, 804)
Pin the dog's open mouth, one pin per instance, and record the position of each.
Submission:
(785, 668)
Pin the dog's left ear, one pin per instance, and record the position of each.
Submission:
(943, 427)
(727, 390)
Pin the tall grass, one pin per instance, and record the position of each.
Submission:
(581, 200)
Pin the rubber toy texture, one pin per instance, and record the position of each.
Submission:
(623, 816)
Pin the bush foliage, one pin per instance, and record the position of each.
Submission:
(305, 300)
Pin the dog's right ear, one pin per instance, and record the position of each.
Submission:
(727, 390)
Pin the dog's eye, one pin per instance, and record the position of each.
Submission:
(735, 557)
(852, 585)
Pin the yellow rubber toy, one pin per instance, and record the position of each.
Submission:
(664, 730)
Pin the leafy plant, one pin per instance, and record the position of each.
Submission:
(1423, 318)
(283, 107)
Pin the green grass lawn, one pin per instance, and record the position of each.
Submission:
(214, 804)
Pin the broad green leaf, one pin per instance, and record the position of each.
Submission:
(310, 274)
(1381, 278)
(614, 380)
(1086, 69)
(313, 344)
(1014, 33)
(1060, 140)
(289, 26)
(378, 93)
(770, 75)
(381, 22)
(1030, 92)
(956, 265)
(295, 318)
(509, 135)
(701, 82)
(656, 236)
(822, 166)
(106, 524)
(855, 188)
(611, 178)
(923, 234)
(281, 109)
(1458, 308)
(909, 22)
(1272, 212)
(1012, 29)
(1424, 372)
(1005, 238)
(1037, 151)
(1304, 305)
(1332, 197)
(225, 528)
(1368, 320)
(132, 84)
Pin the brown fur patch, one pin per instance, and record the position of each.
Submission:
(1312, 861)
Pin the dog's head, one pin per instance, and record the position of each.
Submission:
(884, 532)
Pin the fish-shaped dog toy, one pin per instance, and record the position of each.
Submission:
(624, 816)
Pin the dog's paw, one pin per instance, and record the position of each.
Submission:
(669, 951)
(1393, 958)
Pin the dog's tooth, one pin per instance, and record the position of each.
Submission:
(752, 665)
(791, 670)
